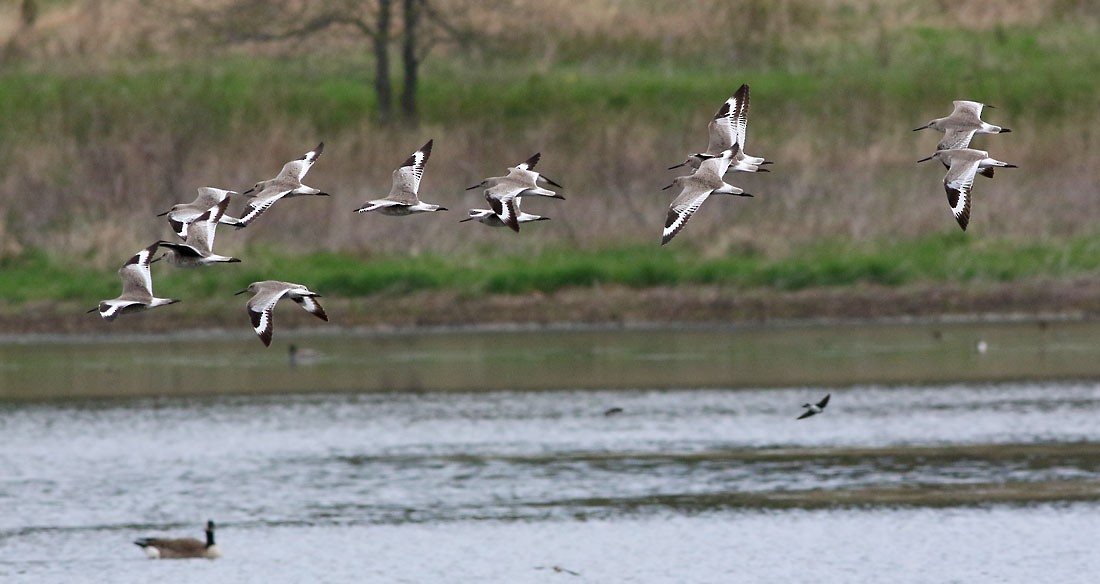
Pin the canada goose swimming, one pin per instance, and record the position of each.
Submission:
(814, 409)
(180, 548)
(306, 356)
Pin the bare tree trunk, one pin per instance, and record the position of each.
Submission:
(29, 12)
(410, 60)
(382, 87)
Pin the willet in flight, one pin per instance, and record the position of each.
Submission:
(287, 184)
(962, 164)
(488, 217)
(959, 127)
(197, 249)
(521, 180)
(814, 409)
(267, 293)
(559, 570)
(695, 188)
(181, 216)
(180, 548)
(729, 127)
(403, 199)
(137, 288)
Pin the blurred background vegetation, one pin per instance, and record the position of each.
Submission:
(113, 110)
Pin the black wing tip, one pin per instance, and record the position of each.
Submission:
(533, 160)
(320, 312)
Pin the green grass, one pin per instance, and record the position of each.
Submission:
(1050, 70)
(956, 258)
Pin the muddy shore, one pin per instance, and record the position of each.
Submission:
(1070, 299)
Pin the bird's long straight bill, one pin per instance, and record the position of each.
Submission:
(926, 159)
(551, 181)
(241, 292)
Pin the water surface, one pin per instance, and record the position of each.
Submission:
(994, 482)
(547, 359)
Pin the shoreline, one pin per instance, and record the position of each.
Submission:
(597, 307)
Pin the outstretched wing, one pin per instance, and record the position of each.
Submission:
(406, 179)
(682, 208)
(210, 197)
(530, 163)
(137, 280)
(260, 309)
(721, 129)
(310, 304)
(957, 184)
(740, 115)
(298, 168)
(201, 234)
(956, 138)
(258, 205)
(502, 199)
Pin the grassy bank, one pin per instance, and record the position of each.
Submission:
(96, 143)
(38, 276)
(1031, 71)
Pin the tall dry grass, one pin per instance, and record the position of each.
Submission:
(844, 168)
(852, 180)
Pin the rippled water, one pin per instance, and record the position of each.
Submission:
(945, 483)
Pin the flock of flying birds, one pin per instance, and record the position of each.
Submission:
(196, 222)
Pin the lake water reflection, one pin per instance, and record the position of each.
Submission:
(541, 359)
(704, 481)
